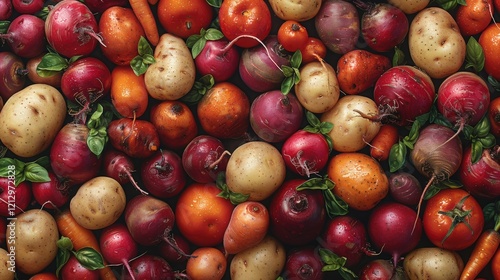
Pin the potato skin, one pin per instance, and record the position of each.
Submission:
(297, 10)
(173, 74)
(433, 263)
(5, 268)
(36, 235)
(98, 203)
(31, 118)
(409, 6)
(435, 43)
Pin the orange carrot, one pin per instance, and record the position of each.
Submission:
(383, 141)
(142, 10)
(247, 227)
(81, 237)
(486, 247)
(495, 265)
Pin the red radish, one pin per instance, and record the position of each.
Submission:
(391, 229)
(150, 266)
(204, 157)
(85, 81)
(218, 58)
(163, 175)
(275, 116)
(12, 74)
(120, 166)
(346, 236)
(22, 194)
(74, 270)
(481, 179)
(383, 25)
(99, 6)
(405, 188)
(118, 246)
(381, 269)
(171, 254)
(463, 99)
(5, 9)
(52, 191)
(71, 29)
(28, 6)
(260, 66)
(305, 152)
(404, 93)
(303, 263)
(26, 36)
(296, 217)
(70, 157)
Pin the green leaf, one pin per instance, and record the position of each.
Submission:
(197, 42)
(226, 193)
(198, 90)
(482, 128)
(3, 150)
(334, 205)
(488, 141)
(397, 156)
(449, 4)
(143, 47)
(51, 64)
(296, 60)
(494, 83)
(4, 26)
(476, 151)
(96, 144)
(141, 62)
(62, 258)
(43, 161)
(287, 85)
(474, 57)
(492, 214)
(89, 258)
(64, 243)
(34, 172)
(333, 262)
(399, 57)
(213, 34)
(214, 3)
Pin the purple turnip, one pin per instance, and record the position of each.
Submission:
(404, 93)
(296, 217)
(482, 178)
(405, 188)
(391, 229)
(204, 157)
(163, 175)
(119, 166)
(26, 36)
(12, 74)
(219, 58)
(275, 116)
(303, 263)
(118, 246)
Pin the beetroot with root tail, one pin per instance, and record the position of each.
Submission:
(118, 246)
(120, 166)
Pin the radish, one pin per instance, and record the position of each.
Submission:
(381, 269)
(70, 157)
(150, 266)
(346, 236)
(119, 166)
(26, 36)
(5, 9)
(383, 26)
(204, 157)
(85, 81)
(162, 174)
(391, 229)
(28, 6)
(118, 246)
(404, 93)
(12, 74)
(73, 269)
(218, 58)
(482, 178)
(303, 263)
(52, 191)
(296, 217)
(171, 254)
(22, 194)
(275, 116)
(71, 29)
(405, 188)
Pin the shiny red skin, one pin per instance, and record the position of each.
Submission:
(481, 179)
(214, 61)
(51, 194)
(26, 36)
(74, 270)
(163, 175)
(305, 153)
(14, 199)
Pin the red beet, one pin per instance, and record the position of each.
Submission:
(218, 58)
(305, 153)
(303, 263)
(118, 246)
(11, 74)
(163, 175)
(26, 36)
(482, 178)
(51, 194)
(120, 166)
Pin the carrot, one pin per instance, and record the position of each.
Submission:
(143, 12)
(81, 237)
(247, 227)
(495, 265)
(486, 247)
(383, 141)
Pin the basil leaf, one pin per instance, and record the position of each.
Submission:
(34, 172)
(89, 258)
(51, 64)
(397, 156)
(474, 57)
(62, 258)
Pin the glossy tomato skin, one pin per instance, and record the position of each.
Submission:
(437, 220)
(184, 18)
(292, 35)
(245, 17)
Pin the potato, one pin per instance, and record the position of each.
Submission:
(318, 89)
(255, 168)
(297, 10)
(410, 6)
(173, 74)
(7, 266)
(352, 126)
(435, 43)
(262, 261)
(35, 236)
(433, 263)
(31, 118)
(98, 203)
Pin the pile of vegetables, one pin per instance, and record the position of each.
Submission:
(249, 139)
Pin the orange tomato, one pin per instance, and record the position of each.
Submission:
(292, 35)
(128, 92)
(201, 216)
(490, 42)
(121, 32)
(184, 18)
(359, 180)
(44, 276)
(224, 111)
(175, 123)
(474, 17)
(209, 264)
(314, 50)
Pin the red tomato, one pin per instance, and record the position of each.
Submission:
(201, 216)
(184, 18)
(245, 17)
(292, 35)
(453, 219)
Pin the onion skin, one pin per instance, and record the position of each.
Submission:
(482, 179)
(432, 156)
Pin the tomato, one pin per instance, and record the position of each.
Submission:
(245, 17)
(292, 35)
(313, 50)
(184, 18)
(490, 42)
(453, 219)
(473, 17)
(201, 216)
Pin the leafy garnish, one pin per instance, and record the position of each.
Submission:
(88, 257)
(4, 26)
(492, 214)
(334, 206)
(34, 171)
(53, 63)
(141, 62)
(494, 83)
(292, 72)
(333, 262)
(450, 4)
(399, 57)
(474, 57)
(480, 138)
(98, 124)
(317, 126)
(226, 193)
(198, 90)
(197, 42)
